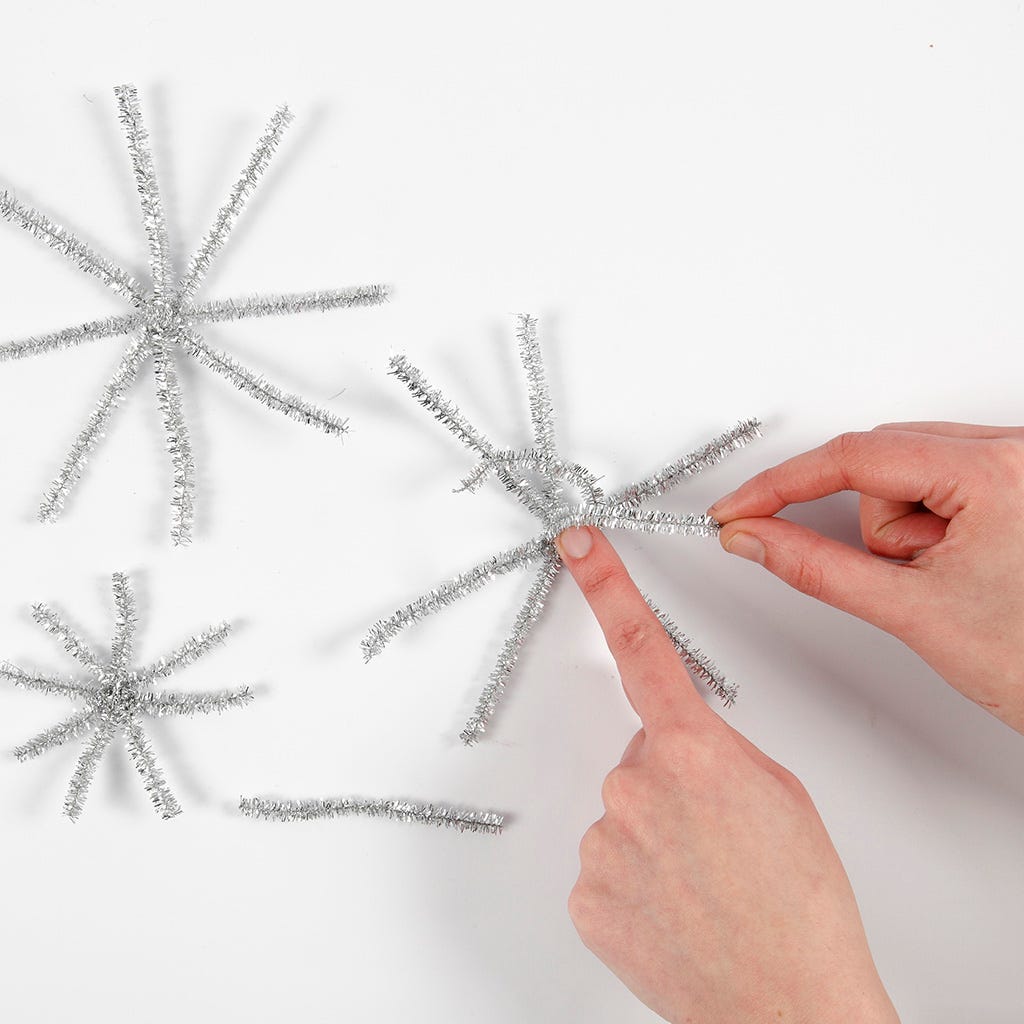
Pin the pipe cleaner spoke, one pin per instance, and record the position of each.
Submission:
(191, 650)
(117, 698)
(166, 316)
(41, 683)
(542, 480)
(261, 808)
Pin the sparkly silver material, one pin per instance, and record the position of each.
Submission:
(522, 556)
(397, 810)
(699, 664)
(166, 316)
(111, 327)
(117, 698)
(538, 477)
(508, 656)
(74, 249)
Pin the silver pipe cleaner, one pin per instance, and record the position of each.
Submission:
(282, 305)
(700, 665)
(166, 316)
(74, 249)
(111, 327)
(451, 417)
(397, 810)
(117, 698)
(545, 498)
(508, 656)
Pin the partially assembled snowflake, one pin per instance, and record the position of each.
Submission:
(167, 315)
(117, 698)
(538, 477)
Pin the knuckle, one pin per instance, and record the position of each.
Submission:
(771, 481)
(843, 447)
(620, 793)
(798, 789)
(580, 906)
(808, 577)
(705, 762)
(684, 754)
(585, 912)
(591, 847)
(1007, 455)
(604, 580)
(666, 745)
(790, 782)
(632, 751)
(629, 637)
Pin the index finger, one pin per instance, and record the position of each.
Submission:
(894, 464)
(945, 428)
(653, 677)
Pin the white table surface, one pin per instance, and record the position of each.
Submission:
(806, 212)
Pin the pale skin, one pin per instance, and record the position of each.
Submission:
(710, 886)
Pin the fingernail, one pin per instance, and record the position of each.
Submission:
(746, 546)
(575, 542)
(721, 501)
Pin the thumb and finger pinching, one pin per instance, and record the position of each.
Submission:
(894, 471)
(853, 581)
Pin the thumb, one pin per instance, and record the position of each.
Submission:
(880, 592)
(647, 660)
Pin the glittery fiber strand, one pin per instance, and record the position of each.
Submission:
(461, 820)
(508, 656)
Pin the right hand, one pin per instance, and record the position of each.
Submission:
(946, 500)
(709, 886)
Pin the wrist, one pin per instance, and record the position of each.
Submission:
(870, 1005)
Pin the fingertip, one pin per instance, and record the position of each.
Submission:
(724, 533)
(574, 544)
(743, 543)
(728, 531)
(828, 570)
(721, 508)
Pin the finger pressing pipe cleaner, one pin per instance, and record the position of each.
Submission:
(537, 477)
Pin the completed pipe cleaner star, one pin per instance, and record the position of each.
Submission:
(536, 476)
(166, 317)
(117, 698)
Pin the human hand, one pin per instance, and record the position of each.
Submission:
(948, 498)
(710, 886)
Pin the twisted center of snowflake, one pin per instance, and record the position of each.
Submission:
(552, 487)
(117, 698)
(165, 318)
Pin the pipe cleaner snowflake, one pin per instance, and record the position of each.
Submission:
(397, 810)
(117, 698)
(537, 477)
(166, 316)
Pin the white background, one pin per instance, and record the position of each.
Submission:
(807, 212)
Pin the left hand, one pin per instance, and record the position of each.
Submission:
(710, 886)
